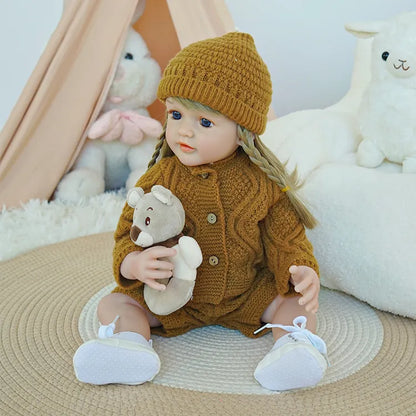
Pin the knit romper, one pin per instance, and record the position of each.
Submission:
(249, 235)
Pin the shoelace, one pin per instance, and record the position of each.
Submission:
(299, 327)
(107, 331)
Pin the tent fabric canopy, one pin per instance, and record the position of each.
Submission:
(64, 94)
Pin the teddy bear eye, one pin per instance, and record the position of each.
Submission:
(128, 55)
(385, 55)
(147, 221)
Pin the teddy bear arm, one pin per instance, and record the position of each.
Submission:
(181, 269)
(190, 252)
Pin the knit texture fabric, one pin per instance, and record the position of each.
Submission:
(225, 73)
(247, 250)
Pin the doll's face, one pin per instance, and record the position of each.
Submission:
(198, 137)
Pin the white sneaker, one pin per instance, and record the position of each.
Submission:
(117, 359)
(297, 360)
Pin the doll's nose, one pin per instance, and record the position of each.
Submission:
(185, 131)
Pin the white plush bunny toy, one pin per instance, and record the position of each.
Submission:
(122, 139)
(387, 115)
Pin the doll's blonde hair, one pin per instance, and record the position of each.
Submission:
(259, 154)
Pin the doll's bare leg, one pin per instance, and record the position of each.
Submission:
(283, 311)
(132, 316)
(298, 357)
(123, 352)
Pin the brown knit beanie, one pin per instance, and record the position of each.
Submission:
(225, 73)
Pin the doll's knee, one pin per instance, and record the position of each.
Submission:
(277, 303)
(120, 304)
(271, 309)
(113, 303)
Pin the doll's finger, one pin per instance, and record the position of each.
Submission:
(307, 297)
(302, 286)
(154, 284)
(159, 274)
(293, 269)
(298, 270)
(161, 265)
(160, 251)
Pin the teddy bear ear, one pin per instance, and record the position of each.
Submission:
(163, 194)
(134, 196)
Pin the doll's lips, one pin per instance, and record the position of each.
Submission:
(186, 148)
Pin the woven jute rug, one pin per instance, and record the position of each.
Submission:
(48, 299)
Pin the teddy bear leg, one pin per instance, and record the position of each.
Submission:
(369, 155)
(86, 177)
(177, 293)
(409, 165)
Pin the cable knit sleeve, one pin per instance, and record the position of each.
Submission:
(123, 244)
(286, 243)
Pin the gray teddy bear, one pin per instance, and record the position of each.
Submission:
(159, 219)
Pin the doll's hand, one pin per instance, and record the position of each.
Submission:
(306, 282)
(146, 266)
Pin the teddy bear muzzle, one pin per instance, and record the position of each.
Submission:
(134, 233)
(140, 238)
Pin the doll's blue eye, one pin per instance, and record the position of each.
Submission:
(176, 115)
(205, 122)
(128, 55)
(384, 56)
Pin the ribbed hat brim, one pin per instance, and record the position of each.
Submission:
(214, 97)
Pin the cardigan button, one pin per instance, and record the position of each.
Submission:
(211, 218)
(204, 175)
(213, 260)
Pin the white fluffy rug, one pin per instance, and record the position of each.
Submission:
(38, 223)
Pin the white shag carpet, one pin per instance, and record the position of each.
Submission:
(38, 223)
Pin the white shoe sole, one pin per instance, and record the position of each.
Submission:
(118, 361)
(292, 366)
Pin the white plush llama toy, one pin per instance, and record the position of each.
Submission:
(387, 115)
(122, 139)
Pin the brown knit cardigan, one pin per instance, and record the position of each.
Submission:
(245, 225)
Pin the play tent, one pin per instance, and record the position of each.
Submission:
(48, 125)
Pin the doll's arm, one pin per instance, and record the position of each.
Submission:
(306, 282)
(286, 244)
